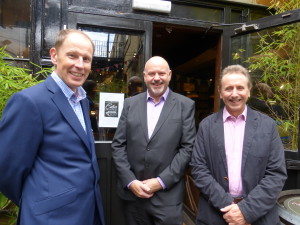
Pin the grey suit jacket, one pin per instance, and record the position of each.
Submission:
(263, 170)
(166, 154)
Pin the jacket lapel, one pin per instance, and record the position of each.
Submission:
(86, 113)
(250, 128)
(65, 108)
(167, 108)
(218, 131)
(143, 114)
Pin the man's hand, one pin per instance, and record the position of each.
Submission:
(140, 190)
(233, 215)
(153, 184)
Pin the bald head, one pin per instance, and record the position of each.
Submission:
(156, 60)
(157, 76)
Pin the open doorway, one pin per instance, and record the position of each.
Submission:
(194, 58)
(192, 53)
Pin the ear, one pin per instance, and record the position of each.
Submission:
(170, 73)
(219, 90)
(53, 54)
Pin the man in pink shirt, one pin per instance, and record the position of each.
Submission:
(238, 159)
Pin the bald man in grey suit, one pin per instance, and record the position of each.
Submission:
(152, 148)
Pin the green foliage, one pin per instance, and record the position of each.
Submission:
(277, 60)
(12, 80)
(113, 86)
(4, 202)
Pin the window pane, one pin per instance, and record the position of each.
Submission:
(236, 16)
(119, 55)
(273, 58)
(15, 27)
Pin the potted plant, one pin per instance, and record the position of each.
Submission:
(12, 80)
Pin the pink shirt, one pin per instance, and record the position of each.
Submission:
(153, 113)
(234, 129)
(154, 110)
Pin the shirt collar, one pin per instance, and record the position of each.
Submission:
(162, 98)
(81, 94)
(226, 114)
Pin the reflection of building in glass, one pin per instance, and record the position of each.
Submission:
(118, 56)
(15, 24)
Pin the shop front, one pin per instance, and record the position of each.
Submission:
(197, 38)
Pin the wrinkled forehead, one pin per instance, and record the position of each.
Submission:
(238, 75)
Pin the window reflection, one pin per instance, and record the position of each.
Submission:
(119, 56)
(15, 27)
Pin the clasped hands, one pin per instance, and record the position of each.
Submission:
(145, 188)
(233, 215)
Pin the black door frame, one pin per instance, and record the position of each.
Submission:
(263, 23)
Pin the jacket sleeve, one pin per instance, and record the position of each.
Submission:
(20, 136)
(119, 151)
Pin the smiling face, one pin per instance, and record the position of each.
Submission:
(235, 92)
(157, 76)
(73, 60)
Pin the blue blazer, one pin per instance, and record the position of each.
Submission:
(263, 170)
(48, 164)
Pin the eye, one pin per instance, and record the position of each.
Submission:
(228, 88)
(87, 59)
(71, 55)
(151, 74)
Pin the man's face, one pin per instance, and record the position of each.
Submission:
(157, 77)
(235, 92)
(73, 60)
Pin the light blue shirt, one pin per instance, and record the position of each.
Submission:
(73, 99)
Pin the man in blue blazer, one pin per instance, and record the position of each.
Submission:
(152, 148)
(238, 159)
(48, 164)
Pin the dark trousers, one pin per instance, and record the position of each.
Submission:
(143, 212)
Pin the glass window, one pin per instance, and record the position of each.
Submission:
(117, 67)
(15, 21)
(273, 59)
(236, 16)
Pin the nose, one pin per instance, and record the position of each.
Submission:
(79, 62)
(156, 76)
(234, 92)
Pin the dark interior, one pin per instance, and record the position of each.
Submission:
(192, 55)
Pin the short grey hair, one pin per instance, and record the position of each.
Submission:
(238, 69)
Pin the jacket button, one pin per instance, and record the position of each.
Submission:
(148, 149)
(226, 178)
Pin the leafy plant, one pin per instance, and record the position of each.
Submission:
(12, 80)
(276, 60)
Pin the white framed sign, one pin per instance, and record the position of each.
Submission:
(110, 108)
